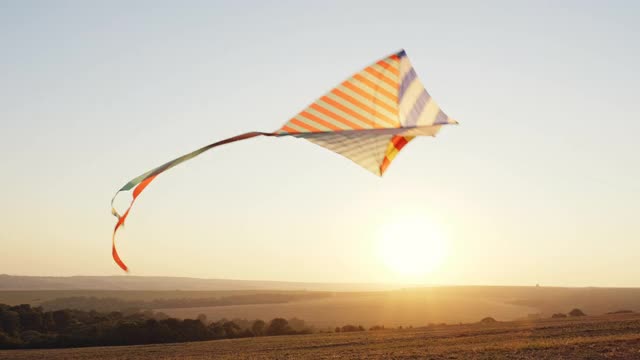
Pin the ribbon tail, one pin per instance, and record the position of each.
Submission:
(139, 183)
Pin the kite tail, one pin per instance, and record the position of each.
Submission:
(141, 182)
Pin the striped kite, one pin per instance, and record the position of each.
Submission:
(368, 119)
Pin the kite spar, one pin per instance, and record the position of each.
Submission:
(368, 119)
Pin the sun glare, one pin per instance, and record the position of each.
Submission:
(411, 247)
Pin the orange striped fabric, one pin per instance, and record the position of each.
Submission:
(367, 100)
(385, 96)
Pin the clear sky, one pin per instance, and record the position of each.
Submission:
(539, 183)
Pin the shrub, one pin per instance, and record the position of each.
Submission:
(621, 312)
(576, 312)
(352, 328)
(488, 320)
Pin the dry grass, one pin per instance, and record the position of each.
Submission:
(602, 337)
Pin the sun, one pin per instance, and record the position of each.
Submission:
(412, 247)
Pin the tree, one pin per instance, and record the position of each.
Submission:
(158, 332)
(10, 321)
(47, 321)
(203, 319)
(231, 329)
(216, 330)
(576, 312)
(278, 326)
(62, 318)
(558, 316)
(258, 327)
(31, 320)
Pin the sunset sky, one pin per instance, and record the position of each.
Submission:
(538, 184)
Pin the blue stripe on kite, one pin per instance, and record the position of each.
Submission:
(406, 81)
(418, 108)
(441, 118)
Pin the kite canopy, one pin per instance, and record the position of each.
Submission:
(371, 116)
(368, 119)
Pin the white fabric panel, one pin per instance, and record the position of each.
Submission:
(366, 150)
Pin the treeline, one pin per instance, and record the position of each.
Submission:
(24, 326)
(110, 304)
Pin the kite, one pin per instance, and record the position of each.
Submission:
(368, 119)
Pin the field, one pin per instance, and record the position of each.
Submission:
(392, 309)
(597, 337)
(413, 306)
(421, 306)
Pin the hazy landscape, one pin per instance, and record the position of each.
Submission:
(600, 337)
(401, 322)
(330, 307)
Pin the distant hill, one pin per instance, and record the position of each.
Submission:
(163, 283)
(361, 304)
